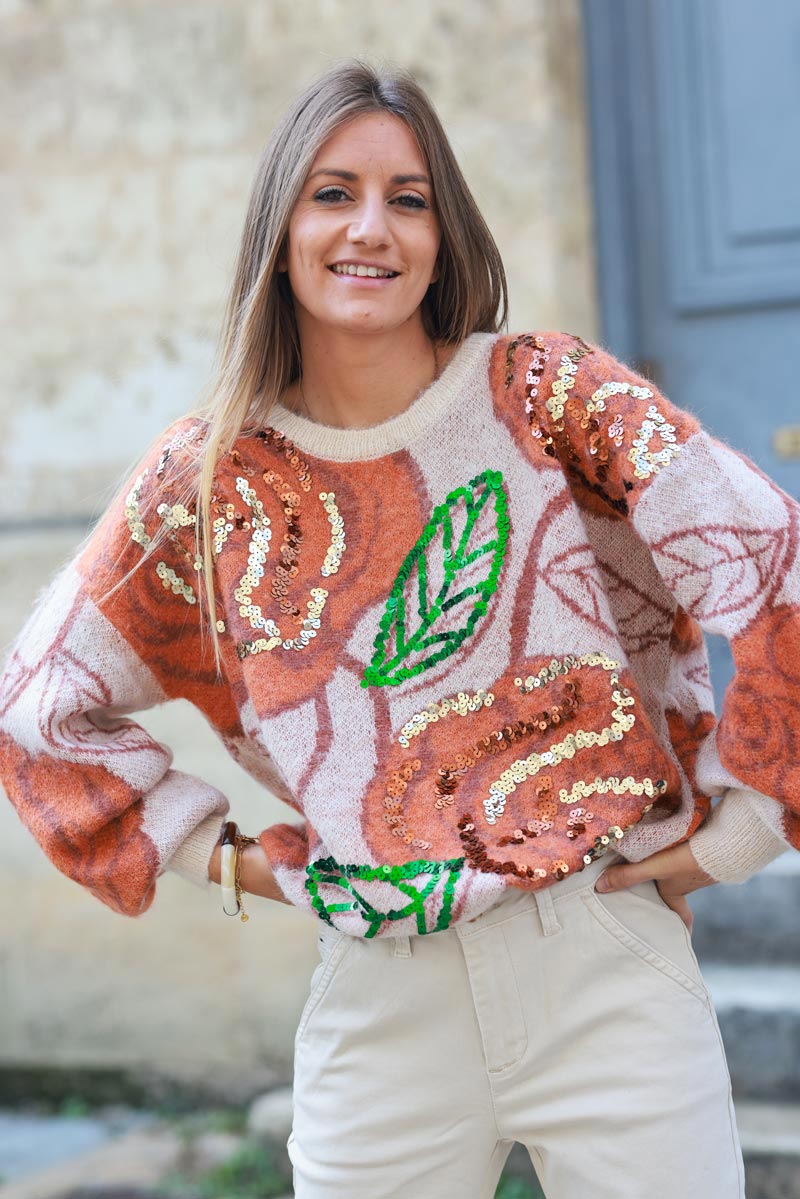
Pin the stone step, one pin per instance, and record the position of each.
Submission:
(753, 922)
(758, 1009)
(770, 1137)
(769, 1128)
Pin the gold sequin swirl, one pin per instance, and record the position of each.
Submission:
(525, 768)
(175, 583)
(257, 556)
(133, 515)
(333, 556)
(599, 786)
(309, 630)
(460, 704)
(646, 462)
(175, 516)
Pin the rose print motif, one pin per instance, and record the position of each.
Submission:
(521, 770)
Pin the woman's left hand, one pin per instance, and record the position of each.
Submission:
(674, 870)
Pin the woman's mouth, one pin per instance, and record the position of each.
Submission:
(351, 270)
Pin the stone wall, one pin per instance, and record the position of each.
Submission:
(130, 132)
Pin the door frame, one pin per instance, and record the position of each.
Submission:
(615, 57)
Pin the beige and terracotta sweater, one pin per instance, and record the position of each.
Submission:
(464, 645)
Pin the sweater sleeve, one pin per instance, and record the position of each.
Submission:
(725, 540)
(96, 791)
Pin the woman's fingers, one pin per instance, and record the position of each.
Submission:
(676, 867)
(679, 904)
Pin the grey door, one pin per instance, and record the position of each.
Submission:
(694, 115)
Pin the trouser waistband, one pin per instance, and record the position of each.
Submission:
(544, 898)
(515, 899)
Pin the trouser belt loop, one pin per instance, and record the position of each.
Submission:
(402, 946)
(547, 912)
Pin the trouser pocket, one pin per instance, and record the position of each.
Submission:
(333, 947)
(647, 929)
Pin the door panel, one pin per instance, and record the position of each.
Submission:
(694, 112)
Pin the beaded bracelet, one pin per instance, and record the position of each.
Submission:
(232, 842)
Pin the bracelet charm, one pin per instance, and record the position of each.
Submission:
(232, 843)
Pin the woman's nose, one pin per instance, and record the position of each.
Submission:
(369, 224)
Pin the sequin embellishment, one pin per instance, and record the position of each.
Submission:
(286, 569)
(175, 583)
(645, 461)
(396, 785)
(616, 430)
(563, 383)
(133, 515)
(400, 652)
(526, 768)
(333, 556)
(178, 442)
(257, 556)
(600, 786)
(613, 388)
(173, 517)
(533, 376)
(461, 703)
(327, 871)
(539, 807)
(552, 437)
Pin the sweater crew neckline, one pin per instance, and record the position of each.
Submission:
(398, 432)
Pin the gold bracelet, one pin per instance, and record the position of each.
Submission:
(241, 841)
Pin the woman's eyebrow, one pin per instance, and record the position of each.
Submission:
(351, 176)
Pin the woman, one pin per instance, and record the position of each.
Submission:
(442, 590)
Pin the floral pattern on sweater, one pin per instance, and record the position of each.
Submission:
(465, 647)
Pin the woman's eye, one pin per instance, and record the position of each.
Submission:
(411, 200)
(332, 195)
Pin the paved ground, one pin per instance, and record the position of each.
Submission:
(122, 1153)
(32, 1143)
(116, 1154)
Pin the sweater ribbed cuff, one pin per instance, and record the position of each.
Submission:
(192, 857)
(733, 843)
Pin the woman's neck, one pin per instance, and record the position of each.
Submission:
(355, 380)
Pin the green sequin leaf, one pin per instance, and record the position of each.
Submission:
(410, 901)
(419, 647)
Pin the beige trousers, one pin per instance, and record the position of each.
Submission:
(576, 1023)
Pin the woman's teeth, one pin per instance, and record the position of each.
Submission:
(372, 271)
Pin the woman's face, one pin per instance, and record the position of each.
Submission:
(367, 202)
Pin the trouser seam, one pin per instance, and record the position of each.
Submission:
(731, 1110)
(524, 1040)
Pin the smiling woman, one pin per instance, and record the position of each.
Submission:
(442, 589)
(360, 257)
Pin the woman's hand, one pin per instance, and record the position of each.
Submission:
(674, 870)
(255, 874)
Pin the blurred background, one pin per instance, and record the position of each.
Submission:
(639, 164)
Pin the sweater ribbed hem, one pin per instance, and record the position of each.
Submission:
(734, 843)
(192, 857)
(397, 433)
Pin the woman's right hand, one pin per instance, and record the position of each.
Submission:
(256, 873)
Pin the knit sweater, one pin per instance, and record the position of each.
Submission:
(464, 645)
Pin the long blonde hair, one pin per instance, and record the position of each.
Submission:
(258, 353)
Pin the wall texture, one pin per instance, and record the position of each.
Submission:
(129, 137)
